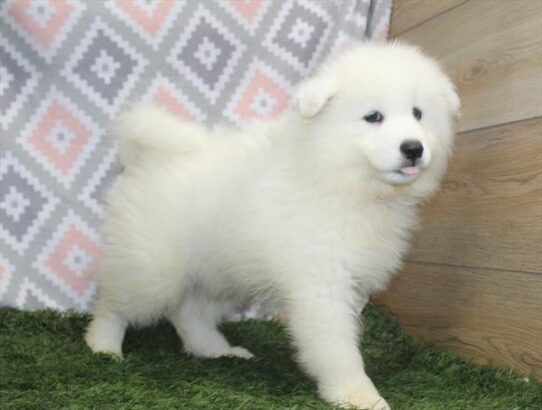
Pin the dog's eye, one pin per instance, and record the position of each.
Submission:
(374, 116)
(416, 112)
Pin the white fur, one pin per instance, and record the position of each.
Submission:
(307, 212)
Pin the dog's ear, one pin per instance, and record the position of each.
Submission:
(454, 104)
(312, 95)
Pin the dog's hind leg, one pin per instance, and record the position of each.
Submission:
(196, 321)
(106, 332)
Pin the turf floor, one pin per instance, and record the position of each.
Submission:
(44, 364)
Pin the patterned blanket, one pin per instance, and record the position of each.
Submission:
(67, 67)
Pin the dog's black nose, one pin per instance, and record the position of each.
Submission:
(412, 149)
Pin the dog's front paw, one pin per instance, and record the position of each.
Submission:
(215, 352)
(364, 402)
(241, 352)
(360, 397)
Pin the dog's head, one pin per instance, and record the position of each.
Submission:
(385, 111)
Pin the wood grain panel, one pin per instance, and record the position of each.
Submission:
(489, 316)
(493, 50)
(474, 283)
(409, 13)
(489, 211)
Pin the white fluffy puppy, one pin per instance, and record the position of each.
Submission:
(311, 212)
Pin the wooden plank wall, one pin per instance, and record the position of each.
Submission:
(473, 282)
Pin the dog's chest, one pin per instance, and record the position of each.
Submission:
(371, 242)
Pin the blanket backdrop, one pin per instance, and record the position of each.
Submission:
(68, 67)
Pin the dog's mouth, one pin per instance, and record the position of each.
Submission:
(409, 171)
(404, 174)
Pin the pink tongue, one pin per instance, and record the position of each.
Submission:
(410, 170)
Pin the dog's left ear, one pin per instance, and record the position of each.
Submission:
(454, 103)
(312, 95)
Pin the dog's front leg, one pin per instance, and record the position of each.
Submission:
(325, 330)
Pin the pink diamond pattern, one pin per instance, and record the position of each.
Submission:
(261, 84)
(43, 31)
(264, 95)
(165, 99)
(70, 260)
(44, 23)
(166, 95)
(247, 8)
(74, 241)
(151, 20)
(247, 12)
(60, 137)
(58, 118)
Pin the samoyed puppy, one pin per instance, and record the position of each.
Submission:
(311, 212)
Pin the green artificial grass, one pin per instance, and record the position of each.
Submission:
(45, 364)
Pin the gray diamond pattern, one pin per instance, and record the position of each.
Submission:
(303, 52)
(19, 79)
(204, 31)
(84, 69)
(11, 181)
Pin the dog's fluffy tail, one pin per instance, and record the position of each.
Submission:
(147, 129)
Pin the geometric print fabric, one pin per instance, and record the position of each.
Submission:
(68, 67)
